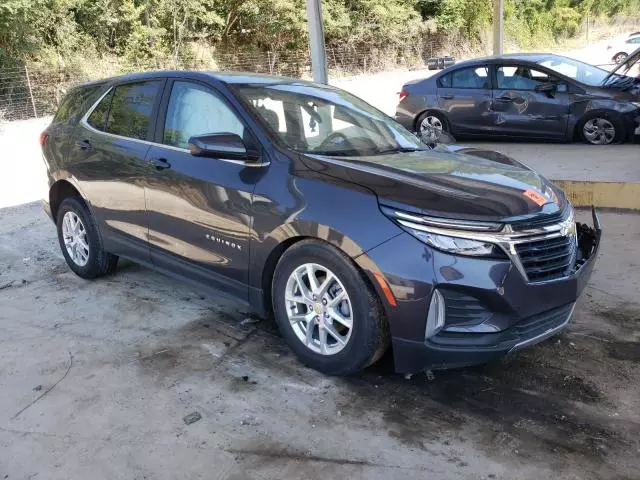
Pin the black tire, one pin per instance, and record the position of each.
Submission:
(620, 57)
(99, 262)
(443, 120)
(612, 117)
(370, 334)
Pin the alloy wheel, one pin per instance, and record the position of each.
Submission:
(599, 131)
(75, 238)
(319, 309)
(621, 57)
(430, 128)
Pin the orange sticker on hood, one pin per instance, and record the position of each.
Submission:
(535, 197)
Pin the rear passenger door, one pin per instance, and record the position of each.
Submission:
(108, 158)
(464, 95)
(62, 128)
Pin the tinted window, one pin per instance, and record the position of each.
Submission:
(131, 107)
(197, 110)
(634, 40)
(98, 117)
(521, 77)
(471, 77)
(73, 106)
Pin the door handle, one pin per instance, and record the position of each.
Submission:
(447, 97)
(84, 145)
(504, 99)
(161, 163)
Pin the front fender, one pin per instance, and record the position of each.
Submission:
(313, 205)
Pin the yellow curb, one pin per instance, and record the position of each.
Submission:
(625, 195)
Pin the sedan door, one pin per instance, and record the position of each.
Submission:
(199, 208)
(464, 95)
(530, 102)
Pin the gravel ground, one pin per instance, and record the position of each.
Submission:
(98, 379)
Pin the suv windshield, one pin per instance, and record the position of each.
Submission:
(326, 121)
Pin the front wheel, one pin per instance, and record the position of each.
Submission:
(602, 129)
(326, 311)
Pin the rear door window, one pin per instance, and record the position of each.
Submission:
(470, 77)
(131, 109)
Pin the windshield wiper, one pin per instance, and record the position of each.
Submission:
(400, 150)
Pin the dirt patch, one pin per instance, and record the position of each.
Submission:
(531, 405)
(626, 316)
(624, 351)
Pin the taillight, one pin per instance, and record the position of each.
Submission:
(43, 138)
(402, 95)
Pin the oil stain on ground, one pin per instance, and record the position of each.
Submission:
(517, 406)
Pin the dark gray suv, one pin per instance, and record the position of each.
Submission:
(305, 203)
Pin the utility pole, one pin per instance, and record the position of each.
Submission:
(316, 37)
(498, 27)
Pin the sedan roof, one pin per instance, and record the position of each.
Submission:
(522, 57)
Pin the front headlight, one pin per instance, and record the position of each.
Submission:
(422, 227)
(459, 246)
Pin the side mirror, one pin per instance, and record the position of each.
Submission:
(547, 88)
(222, 145)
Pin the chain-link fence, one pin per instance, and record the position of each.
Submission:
(29, 91)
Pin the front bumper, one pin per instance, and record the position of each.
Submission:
(516, 313)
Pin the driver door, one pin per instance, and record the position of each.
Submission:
(520, 110)
(199, 209)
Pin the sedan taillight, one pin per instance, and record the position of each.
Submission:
(402, 95)
(43, 138)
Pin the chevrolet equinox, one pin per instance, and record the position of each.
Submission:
(305, 203)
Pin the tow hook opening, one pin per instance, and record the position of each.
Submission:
(587, 240)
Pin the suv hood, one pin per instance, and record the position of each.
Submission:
(470, 184)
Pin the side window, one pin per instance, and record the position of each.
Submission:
(445, 81)
(634, 40)
(71, 108)
(131, 108)
(98, 117)
(521, 77)
(470, 77)
(196, 110)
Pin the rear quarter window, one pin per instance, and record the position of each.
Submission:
(75, 104)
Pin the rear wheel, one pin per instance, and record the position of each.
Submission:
(80, 241)
(430, 125)
(620, 57)
(326, 311)
(602, 129)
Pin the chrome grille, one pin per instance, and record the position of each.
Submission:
(547, 259)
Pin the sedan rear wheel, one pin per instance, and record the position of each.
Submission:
(430, 126)
(620, 57)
